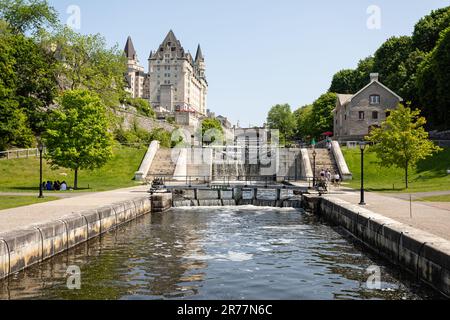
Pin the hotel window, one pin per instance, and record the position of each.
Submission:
(361, 115)
(375, 115)
(374, 99)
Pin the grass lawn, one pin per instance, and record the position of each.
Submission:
(7, 202)
(22, 175)
(430, 174)
(443, 198)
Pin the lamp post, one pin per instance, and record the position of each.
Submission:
(314, 166)
(41, 188)
(362, 147)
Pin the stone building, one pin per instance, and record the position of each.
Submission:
(135, 75)
(177, 80)
(355, 115)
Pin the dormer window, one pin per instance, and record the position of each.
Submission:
(374, 99)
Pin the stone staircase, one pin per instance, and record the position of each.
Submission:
(324, 160)
(162, 165)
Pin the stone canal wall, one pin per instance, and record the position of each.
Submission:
(420, 253)
(232, 197)
(22, 248)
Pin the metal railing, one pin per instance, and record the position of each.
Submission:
(230, 180)
(20, 154)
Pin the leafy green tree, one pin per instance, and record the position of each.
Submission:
(402, 140)
(33, 85)
(322, 114)
(77, 137)
(28, 15)
(13, 125)
(280, 117)
(87, 63)
(388, 58)
(433, 82)
(304, 122)
(350, 81)
(406, 77)
(427, 31)
(14, 129)
(142, 106)
(344, 82)
(212, 131)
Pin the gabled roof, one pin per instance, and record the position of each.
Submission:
(382, 85)
(172, 43)
(344, 98)
(199, 55)
(130, 52)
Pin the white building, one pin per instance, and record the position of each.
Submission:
(135, 75)
(175, 80)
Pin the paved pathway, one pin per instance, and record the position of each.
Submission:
(16, 218)
(61, 195)
(428, 216)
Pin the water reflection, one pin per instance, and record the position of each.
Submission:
(214, 253)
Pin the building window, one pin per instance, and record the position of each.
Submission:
(361, 115)
(375, 115)
(374, 99)
(345, 117)
(388, 113)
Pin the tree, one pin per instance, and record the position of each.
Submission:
(280, 117)
(33, 85)
(402, 140)
(85, 62)
(304, 124)
(28, 15)
(388, 58)
(427, 31)
(322, 114)
(344, 82)
(212, 131)
(14, 130)
(142, 106)
(350, 81)
(433, 82)
(78, 137)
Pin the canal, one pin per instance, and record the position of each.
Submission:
(216, 253)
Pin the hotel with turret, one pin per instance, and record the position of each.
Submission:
(175, 81)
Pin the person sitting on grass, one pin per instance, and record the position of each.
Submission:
(56, 185)
(63, 186)
(49, 186)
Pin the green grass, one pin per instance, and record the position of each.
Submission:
(443, 198)
(7, 202)
(430, 174)
(22, 175)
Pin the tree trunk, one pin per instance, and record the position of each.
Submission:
(75, 183)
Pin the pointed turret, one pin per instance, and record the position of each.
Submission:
(130, 52)
(151, 55)
(199, 55)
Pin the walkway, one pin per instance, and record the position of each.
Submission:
(428, 216)
(11, 219)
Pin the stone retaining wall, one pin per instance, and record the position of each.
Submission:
(22, 248)
(420, 253)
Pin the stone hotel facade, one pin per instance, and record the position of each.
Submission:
(175, 80)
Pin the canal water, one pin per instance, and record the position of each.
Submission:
(216, 253)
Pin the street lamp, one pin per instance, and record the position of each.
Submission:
(41, 187)
(314, 166)
(362, 147)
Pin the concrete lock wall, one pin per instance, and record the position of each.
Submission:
(147, 161)
(22, 248)
(420, 253)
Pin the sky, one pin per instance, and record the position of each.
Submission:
(258, 52)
